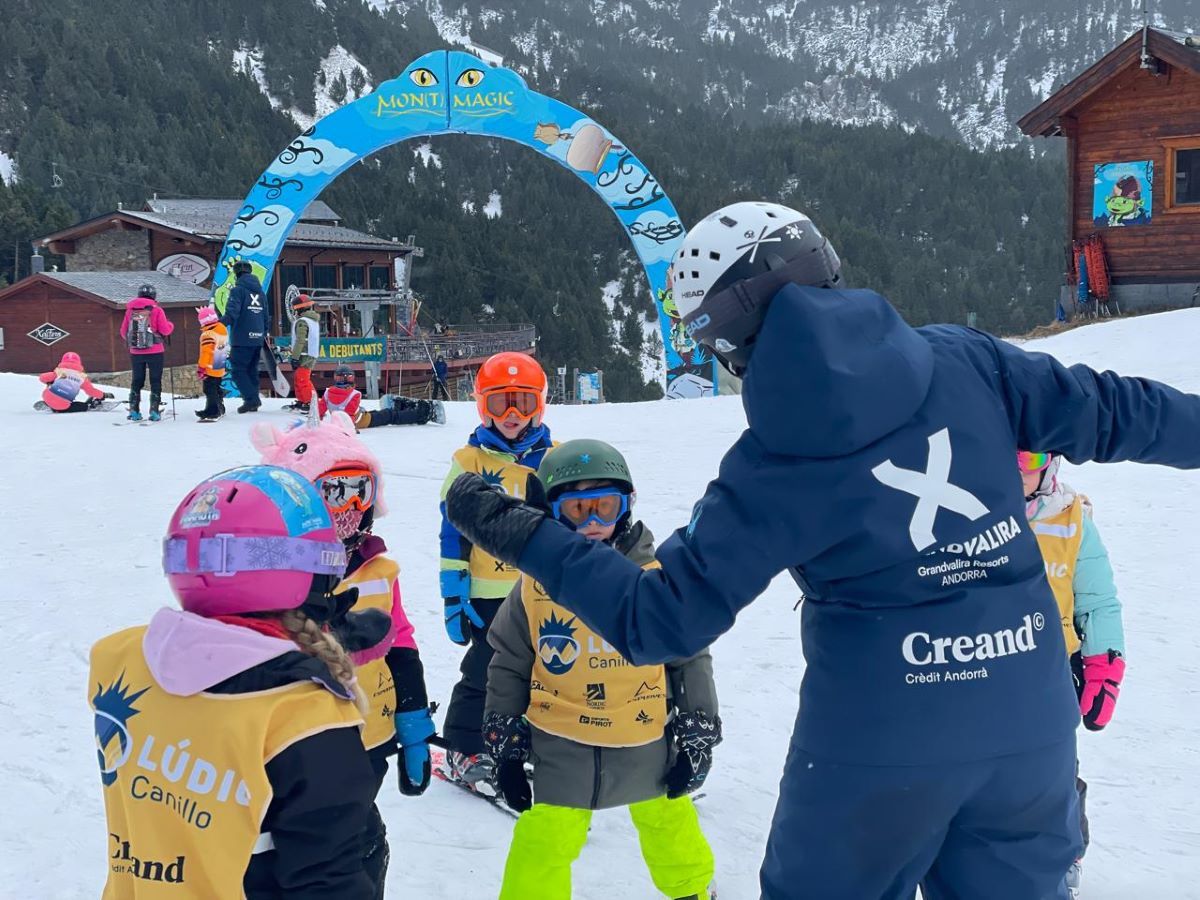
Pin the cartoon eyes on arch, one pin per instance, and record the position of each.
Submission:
(301, 449)
(423, 77)
(470, 78)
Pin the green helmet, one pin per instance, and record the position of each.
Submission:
(583, 460)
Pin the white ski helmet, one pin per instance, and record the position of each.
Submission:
(731, 265)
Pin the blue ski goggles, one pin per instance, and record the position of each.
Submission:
(605, 506)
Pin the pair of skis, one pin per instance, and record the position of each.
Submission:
(104, 406)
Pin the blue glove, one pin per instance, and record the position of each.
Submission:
(413, 731)
(460, 614)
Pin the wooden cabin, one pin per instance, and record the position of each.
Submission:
(49, 313)
(1132, 127)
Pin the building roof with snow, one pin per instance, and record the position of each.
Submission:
(210, 220)
(121, 287)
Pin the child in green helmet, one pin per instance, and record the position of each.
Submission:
(599, 731)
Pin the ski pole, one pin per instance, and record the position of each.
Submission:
(172, 376)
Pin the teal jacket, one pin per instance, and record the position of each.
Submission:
(1097, 609)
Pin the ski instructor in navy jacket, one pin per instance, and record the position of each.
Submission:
(935, 743)
(248, 318)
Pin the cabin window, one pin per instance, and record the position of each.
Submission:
(353, 277)
(381, 278)
(1187, 176)
(325, 277)
(297, 275)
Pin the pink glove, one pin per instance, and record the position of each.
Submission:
(1102, 676)
(200, 373)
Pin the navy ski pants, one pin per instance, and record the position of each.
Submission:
(998, 829)
(243, 367)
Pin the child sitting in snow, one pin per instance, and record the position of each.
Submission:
(1079, 573)
(601, 732)
(65, 383)
(345, 397)
(329, 454)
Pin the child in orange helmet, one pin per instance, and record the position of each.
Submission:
(506, 448)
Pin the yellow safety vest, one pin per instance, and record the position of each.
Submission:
(581, 688)
(490, 578)
(185, 778)
(1059, 538)
(374, 580)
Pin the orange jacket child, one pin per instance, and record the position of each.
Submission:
(210, 367)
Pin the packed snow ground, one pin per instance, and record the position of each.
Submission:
(83, 506)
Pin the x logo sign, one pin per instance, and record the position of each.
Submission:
(756, 242)
(932, 488)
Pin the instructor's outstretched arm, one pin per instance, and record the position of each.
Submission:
(1087, 415)
(735, 544)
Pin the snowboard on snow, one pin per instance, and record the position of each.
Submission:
(105, 406)
(440, 770)
(272, 359)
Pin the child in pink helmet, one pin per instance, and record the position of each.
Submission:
(227, 732)
(65, 383)
(329, 454)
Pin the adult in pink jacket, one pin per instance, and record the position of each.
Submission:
(143, 328)
(64, 384)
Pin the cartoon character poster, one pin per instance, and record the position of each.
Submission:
(1122, 194)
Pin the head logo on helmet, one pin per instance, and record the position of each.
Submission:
(733, 263)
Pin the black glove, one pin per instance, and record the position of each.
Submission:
(507, 741)
(694, 734)
(323, 605)
(492, 520)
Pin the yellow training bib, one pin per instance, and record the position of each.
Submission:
(1059, 539)
(184, 778)
(581, 688)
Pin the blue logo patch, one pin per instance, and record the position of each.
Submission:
(557, 646)
(495, 478)
(114, 708)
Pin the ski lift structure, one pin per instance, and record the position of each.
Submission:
(392, 315)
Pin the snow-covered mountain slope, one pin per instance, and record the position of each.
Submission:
(967, 68)
(84, 505)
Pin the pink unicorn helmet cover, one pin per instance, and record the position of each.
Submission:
(314, 448)
(250, 539)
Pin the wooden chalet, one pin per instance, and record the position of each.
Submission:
(1132, 126)
(49, 313)
(174, 245)
(184, 237)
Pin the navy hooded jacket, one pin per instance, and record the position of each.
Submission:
(879, 468)
(247, 313)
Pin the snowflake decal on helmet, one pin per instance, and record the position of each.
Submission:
(265, 553)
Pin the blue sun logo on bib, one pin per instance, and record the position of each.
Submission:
(113, 707)
(557, 647)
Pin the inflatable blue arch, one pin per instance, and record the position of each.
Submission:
(452, 92)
